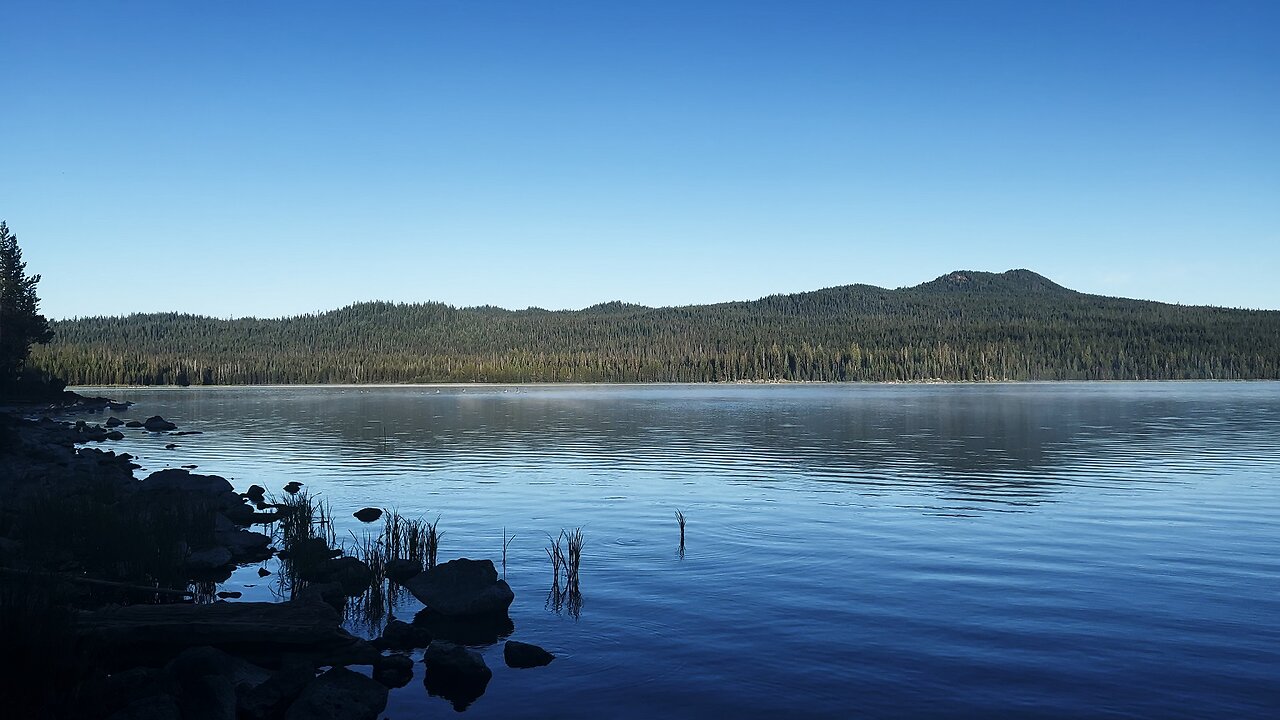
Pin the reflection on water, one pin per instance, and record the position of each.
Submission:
(1052, 550)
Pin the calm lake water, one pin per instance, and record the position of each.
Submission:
(1042, 550)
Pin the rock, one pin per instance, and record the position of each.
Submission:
(133, 424)
(462, 587)
(400, 569)
(394, 671)
(400, 635)
(455, 673)
(180, 480)
(244, 545)
(466, 629)
(272, 697)
(524, 655)
(263, 572)
(330, 594)
(293, 487)
(209, 697)
(339, 694)
(255, 493)
(209, 559)
(171, 446)
(351, 573)
(367, 515)
(153, 707)
(119, 406)
(155, 423)
(356, 652)
(301, 627)
(113, 421)
(205, 660)
(229, 594)
(115, 435)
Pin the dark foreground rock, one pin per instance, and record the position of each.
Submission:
(523, 655)
(400, 569)
(400, 635)
(351, 573)
(462, 588)
(339, 694)
(367, 515)
(271, 698)
(455, 673)
(297, 627)
(394, 671)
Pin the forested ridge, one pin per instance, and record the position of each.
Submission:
(962, 326)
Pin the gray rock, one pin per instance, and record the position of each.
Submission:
(155, 423)
(400, 569)
(133, 424)
(462, 587)
(524, 655)
(113, 421)
(394, 671)
(339, 694)
(456, 658)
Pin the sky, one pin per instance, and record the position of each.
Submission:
(276, 158)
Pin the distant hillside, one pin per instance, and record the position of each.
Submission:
(964, 325)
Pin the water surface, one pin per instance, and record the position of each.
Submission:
(1038, 550)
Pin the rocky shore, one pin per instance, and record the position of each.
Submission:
(107, 591)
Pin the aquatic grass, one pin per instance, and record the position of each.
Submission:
(573, 557)
(565, 553)
(680, 520)
(506, 543)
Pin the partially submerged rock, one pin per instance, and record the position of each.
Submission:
(368, 514)
(351, 573)
(400, 635)
(462, 588)
(155, 423)
(394, 670)
(455, 673)
(524, 655)
(400, 569)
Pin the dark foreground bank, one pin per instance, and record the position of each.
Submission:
(109, 609)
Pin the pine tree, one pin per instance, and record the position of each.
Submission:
(21, 324)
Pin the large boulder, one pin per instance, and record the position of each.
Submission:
(155, 423)
(462, 588)
(339, 694)
(271, 698)
(523, 655)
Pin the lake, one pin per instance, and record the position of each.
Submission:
(1026, 550)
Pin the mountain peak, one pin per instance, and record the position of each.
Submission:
(1020, 280)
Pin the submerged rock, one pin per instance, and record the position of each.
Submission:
(339, 694)
(133, 424)
(462, 587)
(524, 655)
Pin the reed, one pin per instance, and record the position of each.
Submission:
(680, 520)
(506, 542)
(573, 558)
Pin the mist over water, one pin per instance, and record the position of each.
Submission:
(1037, 550)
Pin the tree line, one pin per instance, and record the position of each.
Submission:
(965, 326)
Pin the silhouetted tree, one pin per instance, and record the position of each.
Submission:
(21, 324)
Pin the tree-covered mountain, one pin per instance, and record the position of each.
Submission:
(964, 325)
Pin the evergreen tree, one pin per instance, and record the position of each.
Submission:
(21, 324)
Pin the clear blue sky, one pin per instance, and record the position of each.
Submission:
(273, 158)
